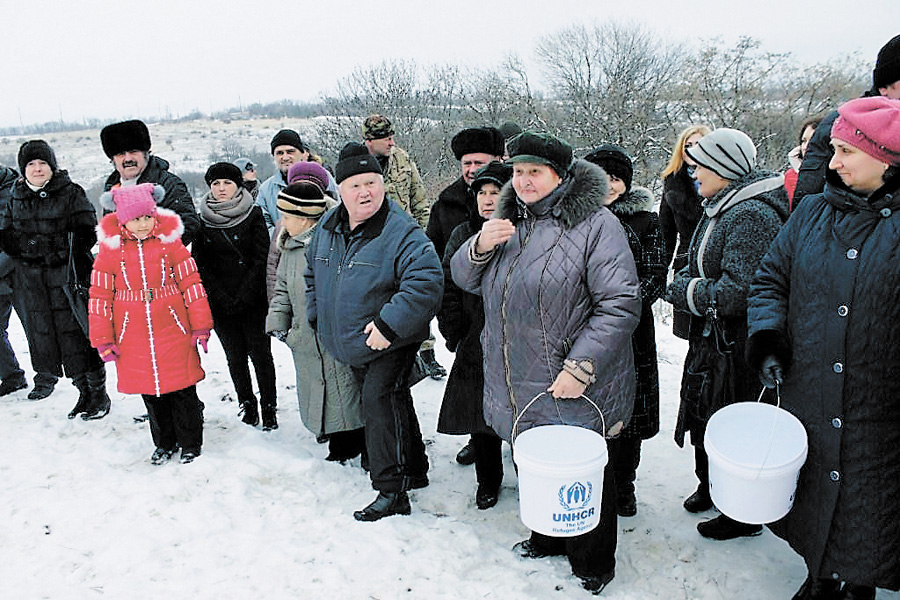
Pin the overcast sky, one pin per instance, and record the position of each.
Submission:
(102, 59)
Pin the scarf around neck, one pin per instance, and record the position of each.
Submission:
(226, 213)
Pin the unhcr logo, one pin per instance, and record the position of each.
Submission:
(575, 496)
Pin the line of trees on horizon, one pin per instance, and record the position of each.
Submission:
(602, 82)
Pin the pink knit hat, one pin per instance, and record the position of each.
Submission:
(136, 201)
(872, 125)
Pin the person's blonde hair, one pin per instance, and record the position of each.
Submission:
(677, 159)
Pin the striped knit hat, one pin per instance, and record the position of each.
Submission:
(302, 199)
(728, 153)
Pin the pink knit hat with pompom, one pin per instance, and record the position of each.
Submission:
(136, 201)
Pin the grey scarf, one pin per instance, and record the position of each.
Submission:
(222, 214)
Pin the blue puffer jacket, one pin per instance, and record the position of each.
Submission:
(386, 271)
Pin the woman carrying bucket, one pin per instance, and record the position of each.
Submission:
(825, 324)
(561, 301)
(743, 213)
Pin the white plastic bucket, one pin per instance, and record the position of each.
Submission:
(560, 478)
(755, 453)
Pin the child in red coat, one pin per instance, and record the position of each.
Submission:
(148, 311)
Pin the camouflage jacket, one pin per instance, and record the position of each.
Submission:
(403, 184)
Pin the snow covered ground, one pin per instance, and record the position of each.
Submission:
(83, 514)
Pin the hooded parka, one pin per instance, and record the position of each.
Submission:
(147, 298)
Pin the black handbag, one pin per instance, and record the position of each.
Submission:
(76, 293)
(711, 381)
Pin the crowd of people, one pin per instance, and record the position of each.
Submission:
(541, 268)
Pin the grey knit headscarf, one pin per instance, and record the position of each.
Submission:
(728, 153)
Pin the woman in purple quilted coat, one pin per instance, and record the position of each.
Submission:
(561, 301)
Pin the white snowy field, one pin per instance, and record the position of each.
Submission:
(83, 514)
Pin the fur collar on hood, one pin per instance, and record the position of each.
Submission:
(168, 228)
(581, 194)
(637, 199)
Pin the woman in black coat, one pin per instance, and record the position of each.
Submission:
(461, 320)
(231, 252)
(679, 212)
(634, 207)
(744, 211)
(47, 210)
(825, 323)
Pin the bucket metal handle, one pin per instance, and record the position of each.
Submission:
(774, 423)
(515, 427)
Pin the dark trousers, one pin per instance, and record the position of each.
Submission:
(393, 438)
(8, 363)
(593, 553)
(488, 460)
(244, 337)
(627, 458)
(701, 465)
(176, 419)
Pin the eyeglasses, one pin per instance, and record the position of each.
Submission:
(250, 167)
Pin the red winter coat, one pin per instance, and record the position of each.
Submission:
(146, 297)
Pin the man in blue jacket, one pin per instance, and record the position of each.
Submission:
(373, 284)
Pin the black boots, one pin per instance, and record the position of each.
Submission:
(94, 383)
(13, 383)
(269, 421)
(819, 589)
(84, 393)
(725, 528)
(43, 386)
(385, 505)
(699, 501)
(432, 367)
(466, 454)
(250, 412)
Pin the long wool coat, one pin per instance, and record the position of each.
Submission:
(679, 212)
(825, 302)
(564, 286)
(34, 228)
(737, 227)
(461, 320)
(147, 297)
(641, 224)
(328, 393)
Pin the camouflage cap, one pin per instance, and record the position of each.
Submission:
(376, 127)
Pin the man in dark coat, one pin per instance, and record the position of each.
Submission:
(885, 82)
(127, 144)
(473, 148)
(373, 283)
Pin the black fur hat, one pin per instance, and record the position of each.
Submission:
(224, 170)
(122, 137)
(287, 137)
(36, 150)
(615, 161)
(488, 140)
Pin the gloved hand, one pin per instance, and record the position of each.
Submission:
(108, 352)
(771, 372)
(279, 335)
(201, 336)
